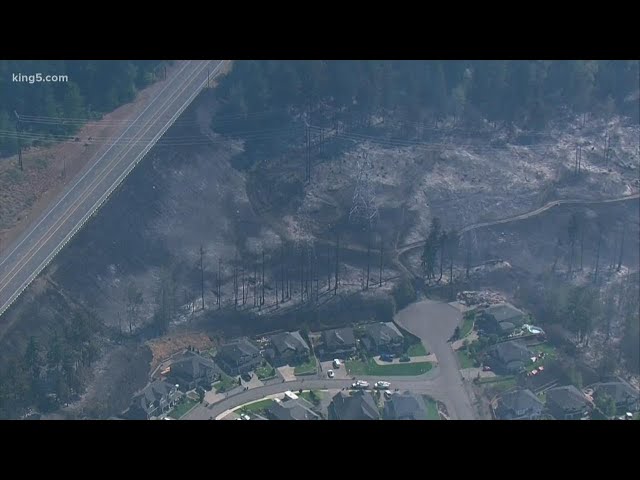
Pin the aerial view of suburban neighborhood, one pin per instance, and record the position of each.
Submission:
(320, 240)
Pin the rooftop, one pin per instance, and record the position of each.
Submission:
(520, 400)
(339, 337)
(236, 351)
(357, 406)
(289, 341)
(405, 406)
(567, 397)
(505, 312)
(384, 332)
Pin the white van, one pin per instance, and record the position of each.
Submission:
(336, 363)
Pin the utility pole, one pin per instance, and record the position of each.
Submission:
(368, 255)
(624, 231)
(308, 159)
(18, 130)
(262, 298)
(335, 286)
(381, 259)
(328, 268)
(595, 270)
(243, 294)
(202, 275)
(219, 283)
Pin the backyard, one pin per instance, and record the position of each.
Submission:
(371, 368)
(549, 352)
(307, 368)
(182, 408)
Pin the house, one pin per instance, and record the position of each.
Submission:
(626, 397)
(405, 406)
(357, 406)
(519, 405)
(338, 343)
(289, 348)
(508, 357)
(567, 403)
(191, 370)
(296, 408)
(153, 400)
(238, 357)
(500, 319)
(383, 337)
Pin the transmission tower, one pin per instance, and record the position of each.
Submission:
(363, 206)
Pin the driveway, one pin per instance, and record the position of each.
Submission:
(434, 322)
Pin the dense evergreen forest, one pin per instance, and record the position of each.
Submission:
(94, 87)
(527, 93)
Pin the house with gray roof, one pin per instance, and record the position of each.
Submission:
(153, 400)
(353, 406)
(405, 406)
(383, 337)
(626, 397)
(292, 409)
(289, 348)
(239, 357)
(508, 357)
(338, 343)
(191, 370)
(568, 403)
(519, 405)
(500, 319)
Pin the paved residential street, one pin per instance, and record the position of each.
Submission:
(435, 322)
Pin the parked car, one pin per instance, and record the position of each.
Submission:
(486, 368)
(360, 384)
(336, 363)
(246, 377)
(381, 385)
(387, 394)
(387, 357)
(330, 373)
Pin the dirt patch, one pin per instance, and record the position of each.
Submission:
(163, 348)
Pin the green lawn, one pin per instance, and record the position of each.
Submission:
(257, 407)
(417, 350)
(265, 371)
(467, 325)
(371, 368)
(306, 368)
(465, 360)
(308, 396)
(500, 383)
(226, 383)
(550, 354)
(183, 407)
(432, 408)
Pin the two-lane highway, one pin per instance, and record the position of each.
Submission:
(31, 253)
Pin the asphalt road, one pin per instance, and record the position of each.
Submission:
(434, 323)
(205, 413)
(31, 253)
